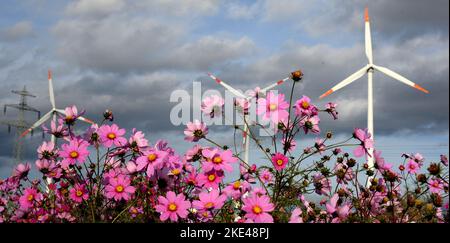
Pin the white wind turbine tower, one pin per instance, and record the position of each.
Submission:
(245, 135)
(53, 112)
(369, 68)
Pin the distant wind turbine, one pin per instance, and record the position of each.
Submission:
(369, 68)
(53, 112)
(245, 135)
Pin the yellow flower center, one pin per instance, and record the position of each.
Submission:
(111, 135)
(280, 162)
(30, 197)
(305, 105)
(119, 188)
(217, 160)
(69, 118)
(79, 193)
(172, 207)
(175, 171)
(211, 177)
(273, 107)
(151, 157)
(236, 185)
(209, 205)
(257, 209)
(74, 154)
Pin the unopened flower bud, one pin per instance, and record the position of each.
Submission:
(418, 203)
(401, 168)
(108, 115)
(436, 199)
(434, 169)
(329, 135)
(421, 178)
(297, 75)
(411, 200)
(351, 162)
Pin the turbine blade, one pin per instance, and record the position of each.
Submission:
(228, 87)
(345, 82)
(400, 78)
(368, 38)
(38, 123)
(50, 89)
(281, 81)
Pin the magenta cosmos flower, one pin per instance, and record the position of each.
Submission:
(152, 160)
(110, 135)
(172, 206)
(218, 160)
(30, 195)
(273, 108)
(366, 142)
(279, 161)
(209, 201)
(303, 107)
(58, 131)
(47, 151)
(212, 105)
(296, 216)
(236, 189)
(78, 193)
(412, 167)
(71, 114)
(75, 151)
(195, 131)
(340, 211)
(210, 179)
(119, 188)
(310, 124)
(257, 209)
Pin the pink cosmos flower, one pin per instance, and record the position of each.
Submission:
(412, 167)
(366, 142)
(257, 209)
(303, 107)
(59, 131)
(289, 145)
(194, 154)
(273, 108)
(331, 109)
(380, 163)
(257, 192)
(137, 140)
(71, 114)
(418, 158)
(21, 170)
(266, 176)
(341, 211)
(236, 189)
(195, 131)
(279, 161)
(256, 92)
(210, 179)
(172, 206)
(209, 201)
(310, 124)
(218, 160)
(322, 184)
(435, 186)
(110, 135)
(75, 151)
(242, 105)
(119, 188)
(151, 159)
(47, 151)
(212, 105)
(78, 193)
(296, 216)
(131, 167)
(30, 195)
(320, 145)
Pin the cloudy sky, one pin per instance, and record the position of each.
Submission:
(129, 55)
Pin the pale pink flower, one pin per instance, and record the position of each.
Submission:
(21, 170)
(412, 167)
(331, 109)
(303, 107)
(366, 142)
(296, 216)
(236, 189)
(273, 108)
(435, 185)
(195, 131)
(218, 160)
(209, 200)
(266, 176)
(212, 105)
(310, 124)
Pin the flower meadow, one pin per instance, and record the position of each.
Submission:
(104, 175)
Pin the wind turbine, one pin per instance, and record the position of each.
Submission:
(53, 112)
(245, 136)
(369, 68)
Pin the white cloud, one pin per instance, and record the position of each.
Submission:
(18, 31)
(241, 11)
(94, 7)
(181, 8)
